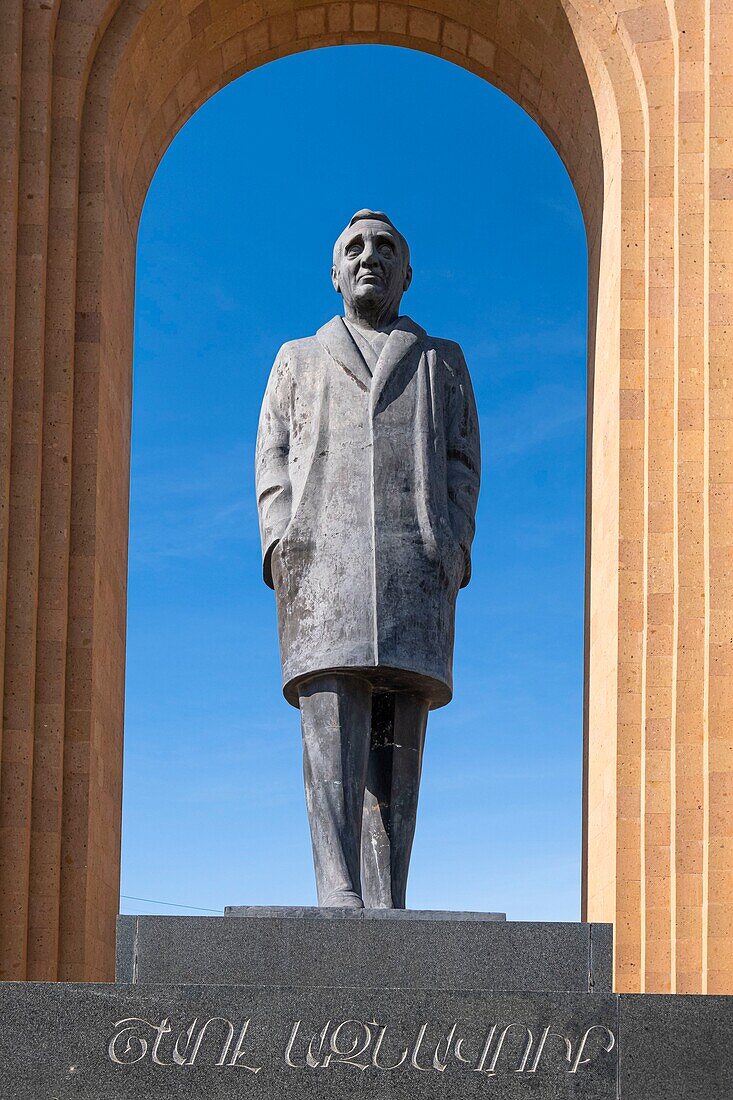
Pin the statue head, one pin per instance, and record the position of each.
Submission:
(371, 268)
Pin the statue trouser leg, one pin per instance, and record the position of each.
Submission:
(399, 720)
(335, 714)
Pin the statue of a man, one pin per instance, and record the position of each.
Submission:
(368, 469)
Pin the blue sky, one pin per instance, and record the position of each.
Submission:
(233, 259)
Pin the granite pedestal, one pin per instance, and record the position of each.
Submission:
(367, 949)
(281, 1004)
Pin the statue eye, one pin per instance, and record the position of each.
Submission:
(386, 249)
(353, 250)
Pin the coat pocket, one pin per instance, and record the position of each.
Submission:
(443, 548)
(454, 562)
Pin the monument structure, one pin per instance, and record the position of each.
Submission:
(368, 468)
(636, 99)
(368, 472)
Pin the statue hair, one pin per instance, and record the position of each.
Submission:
(372, 216)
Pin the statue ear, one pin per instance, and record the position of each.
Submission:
(408, 279)
(335, 280)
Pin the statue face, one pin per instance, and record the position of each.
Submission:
(371, 271)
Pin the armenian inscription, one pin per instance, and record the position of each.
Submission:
(494, 1048)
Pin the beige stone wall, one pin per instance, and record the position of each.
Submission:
(638, 100)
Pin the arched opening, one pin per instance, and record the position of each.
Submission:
(631, 98)
(163, 75)
(229, 267)
(133, 74)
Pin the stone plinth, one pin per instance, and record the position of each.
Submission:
(94, 1042)
(371, 949)
(290, 1029)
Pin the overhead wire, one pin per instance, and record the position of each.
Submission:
(172, 904)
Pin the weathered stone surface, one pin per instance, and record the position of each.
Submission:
(676, 1047)
(107, 1042)
(102, 1042)
(318, 951)
(367, 470)
(295, 912)
(125, 953)
(368, 454)
(600, 941)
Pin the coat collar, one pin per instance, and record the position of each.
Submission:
(406, 337)
(404, 345)
(337, 340)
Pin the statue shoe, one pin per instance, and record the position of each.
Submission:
(342, 899)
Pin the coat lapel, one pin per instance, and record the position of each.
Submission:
(402, 348)
(336, 339)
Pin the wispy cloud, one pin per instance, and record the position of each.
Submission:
(531, 420)
(191, 515)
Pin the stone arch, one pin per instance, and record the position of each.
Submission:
(110, 84)
(162, 75)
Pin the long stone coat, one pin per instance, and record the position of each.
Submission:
(367, 489)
